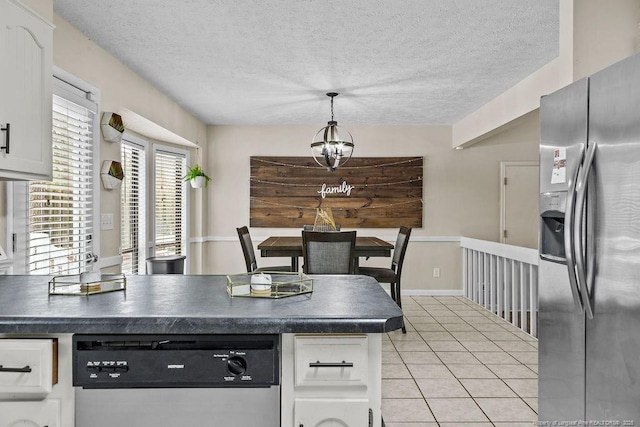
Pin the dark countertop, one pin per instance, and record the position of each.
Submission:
(196, 304)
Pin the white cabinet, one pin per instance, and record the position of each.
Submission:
(331, 380)
(331, 412)
(331, 361)
(26, 45)
(35, 381)
(26, 368)
(45, 413)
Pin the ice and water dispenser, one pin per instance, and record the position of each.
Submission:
(552, 210)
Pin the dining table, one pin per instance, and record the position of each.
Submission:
(291, 246)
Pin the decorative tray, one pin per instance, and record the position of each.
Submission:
(269, 284)
(87, 284)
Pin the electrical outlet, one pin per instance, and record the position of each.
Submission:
(106, 222)
(436, 272)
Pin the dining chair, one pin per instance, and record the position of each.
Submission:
(328, 252)
(392, 275)
(250, 255)
(310, 227)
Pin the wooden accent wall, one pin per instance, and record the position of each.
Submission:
(368, 192)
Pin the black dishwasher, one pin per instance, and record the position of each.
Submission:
(176, 380)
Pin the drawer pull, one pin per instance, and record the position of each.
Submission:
(342, 364)
(8, 130)
(25, 369)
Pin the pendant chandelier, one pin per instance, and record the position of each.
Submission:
(333, 145)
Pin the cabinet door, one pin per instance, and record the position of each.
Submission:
(331, 413)
(25, 49)
(36, 358)
(45, 413)
(331, 361)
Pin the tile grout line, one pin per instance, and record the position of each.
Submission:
(463, 320)
(458, 379)
(449, 369)
(501, 378)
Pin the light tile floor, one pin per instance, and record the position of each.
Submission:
(458, 365)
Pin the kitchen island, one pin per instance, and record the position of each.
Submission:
(343, 312)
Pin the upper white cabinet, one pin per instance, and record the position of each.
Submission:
(26, 47)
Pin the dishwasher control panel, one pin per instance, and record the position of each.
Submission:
(152, 361)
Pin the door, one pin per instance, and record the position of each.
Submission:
(26, 49)
(337, 412)
(133, 204)
(178, 407)
(45, 413)
(563, 135)
(613, 347)
(519, 203)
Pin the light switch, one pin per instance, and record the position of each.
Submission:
(106, 222)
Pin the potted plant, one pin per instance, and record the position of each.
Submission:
(196, 176)
(112, 127)
(111, 174)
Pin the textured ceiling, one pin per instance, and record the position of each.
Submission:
(254, 62)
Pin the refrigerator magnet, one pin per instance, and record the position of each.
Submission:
(559, 171)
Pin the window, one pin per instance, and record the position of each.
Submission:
(133, 205)
(56, 217)
(157, 177)
(170, 230)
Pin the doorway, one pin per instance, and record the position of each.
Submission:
(519, 203)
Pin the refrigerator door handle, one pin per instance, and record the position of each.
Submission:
(581, 194)
(569, 241)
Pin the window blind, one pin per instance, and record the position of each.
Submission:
(170, 203)
(61, 210)
(132, 205)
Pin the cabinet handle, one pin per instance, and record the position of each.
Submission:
(342, 364)
(8, 130)
(25, 369)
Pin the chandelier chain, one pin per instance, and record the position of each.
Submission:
(332, 109)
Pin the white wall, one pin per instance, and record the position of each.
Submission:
(461, 190)
(604, 32)
(120, 88)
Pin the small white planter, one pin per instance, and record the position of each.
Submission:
(197, 182)
(109, 133)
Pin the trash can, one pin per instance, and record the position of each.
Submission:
(173, 264)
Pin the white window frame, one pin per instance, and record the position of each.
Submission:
(82, 93)
(146, 217)
(152, 206)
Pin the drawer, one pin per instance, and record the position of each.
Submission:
(44, 413)
(28, 369)
(331, 412)
(331, 360)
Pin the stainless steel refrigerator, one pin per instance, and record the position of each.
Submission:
(589, 272)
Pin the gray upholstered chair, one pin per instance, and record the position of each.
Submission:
(310, 227)
(392, 275)
(250, 255)
(328, 252)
